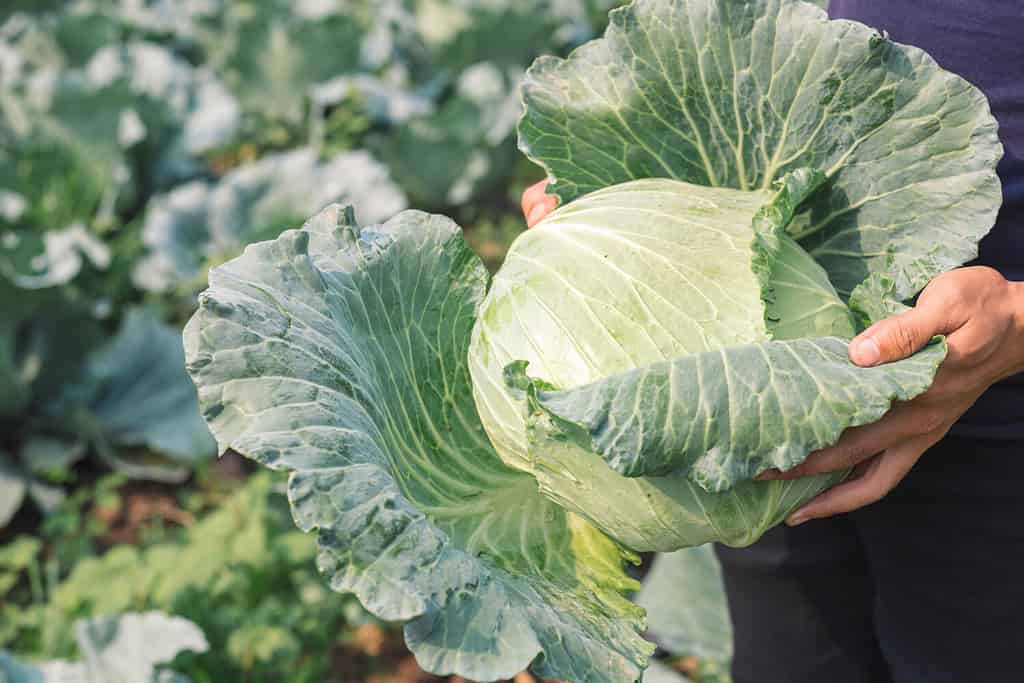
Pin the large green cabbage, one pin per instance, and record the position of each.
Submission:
(655, 270)
(744, 186)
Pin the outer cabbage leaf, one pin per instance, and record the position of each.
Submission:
(130, 393)
(177, 20)
(725, 416)
(507, 32)
(136, 393)
(175, 231)
(42, 38)
(687, 613)
(340, 354)
(127, 647)
(449, 156)
(198, 223)
(116, 649)
(36, 354)
(735, 93)
(96, 116)
(270, 55)
(18, 481)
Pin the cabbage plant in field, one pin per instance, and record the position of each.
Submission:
(744, 186)
(126, 647)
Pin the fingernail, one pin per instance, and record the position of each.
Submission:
(768, 475)
(537, 213)
(797, 518)
(865, 352)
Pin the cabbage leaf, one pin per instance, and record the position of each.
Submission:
(124, 647)
(684, 595)
(339, 354)
(730, 93)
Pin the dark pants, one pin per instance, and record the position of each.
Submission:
(926, 586)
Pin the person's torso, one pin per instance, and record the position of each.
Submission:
(982, 41)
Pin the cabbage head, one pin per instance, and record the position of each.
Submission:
(744, 185)
(659, 270)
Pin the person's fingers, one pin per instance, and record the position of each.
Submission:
(536, 204)
(857, 444)
(873, 479)
(899, 336)
(941, 309)
(531, 195)
(540, 211)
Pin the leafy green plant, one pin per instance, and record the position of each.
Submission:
(687, 614)
(142, 143)
(744, 186)
(242, 574)
(128, 401)
(126, 647)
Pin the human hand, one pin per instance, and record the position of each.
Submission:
(982, 316)
(536, 205)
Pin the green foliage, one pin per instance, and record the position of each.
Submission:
(241, 574)
(686, 614)
(345, 125)
(15, 558)
(127, 647)
(141, 144)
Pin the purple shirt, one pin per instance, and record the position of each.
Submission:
(983, 41)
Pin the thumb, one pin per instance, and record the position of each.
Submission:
(897, 337)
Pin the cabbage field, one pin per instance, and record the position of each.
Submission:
(486, 455)
(142, 142)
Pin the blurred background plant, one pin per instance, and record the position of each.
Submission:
(141, 143)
